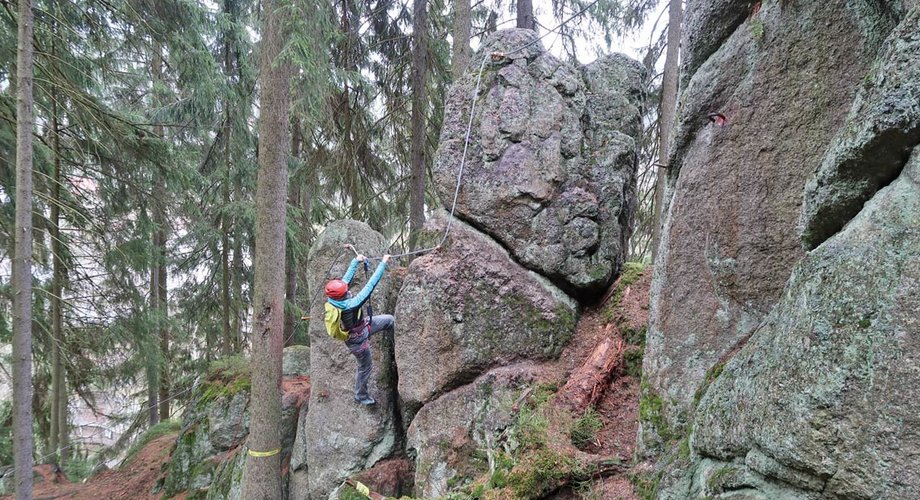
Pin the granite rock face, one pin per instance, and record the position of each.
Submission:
(785, 75)
(448, 434)
(822, 401)
(341, 437)
(210, 451)
(467, 308)
(812, 393)
(551, 160)
(881, 130)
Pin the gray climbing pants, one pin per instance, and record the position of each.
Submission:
(378, 323)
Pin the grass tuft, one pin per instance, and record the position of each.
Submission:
(584, 430)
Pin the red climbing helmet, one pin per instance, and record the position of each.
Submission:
(336, 289)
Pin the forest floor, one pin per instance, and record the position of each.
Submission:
(624, 313)
(134, 480)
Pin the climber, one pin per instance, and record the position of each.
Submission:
(359, 324)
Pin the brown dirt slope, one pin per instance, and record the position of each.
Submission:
(136, 480)
(623, 313)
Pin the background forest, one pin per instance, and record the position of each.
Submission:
(146, 141)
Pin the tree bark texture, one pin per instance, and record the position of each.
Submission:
(419, 115)
(525, 17)
(22, 262)
(153, 363)
(59, 434)
(666, 118)
(262, 475)
(159, 283)
(290, 269)
(461, 35)
(227, 341)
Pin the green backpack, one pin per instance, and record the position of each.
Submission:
(333, 320)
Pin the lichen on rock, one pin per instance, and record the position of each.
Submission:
(822, 400)
(341, 437)
(729, 238)
(469, 307)
(551, 160)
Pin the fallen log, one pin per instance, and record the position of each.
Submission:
(587, 383)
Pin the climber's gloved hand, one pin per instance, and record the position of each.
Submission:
(385, 259)
(361, 257)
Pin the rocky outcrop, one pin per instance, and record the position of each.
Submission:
(784, 74)
(210, 451)
(341, 437)
(818, 402)
(822, 401)
(468, 307)
(296, 361)
(453, 435)
(549, 196)
(551, 161)
(881, 130)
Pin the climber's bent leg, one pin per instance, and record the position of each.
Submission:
(382, 322)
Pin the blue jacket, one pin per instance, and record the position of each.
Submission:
(351, 304)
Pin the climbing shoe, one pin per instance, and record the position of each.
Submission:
(365, 400)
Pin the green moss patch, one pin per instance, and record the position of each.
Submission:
(631, 273)
(226, 377)
(711, 375)
(651, 412)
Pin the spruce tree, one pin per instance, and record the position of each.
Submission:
(22, 261)
(262, 476)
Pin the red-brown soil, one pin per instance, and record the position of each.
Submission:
(135, 480)
(619, 406)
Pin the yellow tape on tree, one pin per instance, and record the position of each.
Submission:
(263, 454)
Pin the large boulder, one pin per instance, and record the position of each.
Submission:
(784, 75)
(822, 403)
(551, 159)
(341, 437)
(469, 307)
(452, 436)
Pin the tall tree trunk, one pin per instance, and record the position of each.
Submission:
(22, 262)
(58, 436)
(419, 106)
(666, 118)
(227, 339)
(461, 35)
(160, 281)
(153, 363)
(236, 269)
(525, 17)
(262, 476)
(290, 268)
